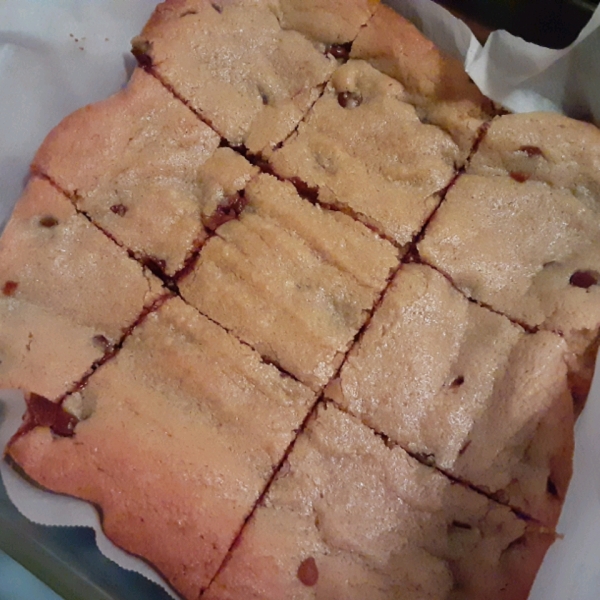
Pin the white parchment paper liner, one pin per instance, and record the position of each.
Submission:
(57, 55)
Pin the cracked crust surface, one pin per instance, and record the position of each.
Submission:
(530, 199)
(435, 83)
(293, 280)
(497, 414)
(346, 508)
(181, 429)
(234, 64)
(58, 309)
(180, 434)
(364, 148)
(134, 163)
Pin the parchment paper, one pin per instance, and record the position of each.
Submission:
(57, 55)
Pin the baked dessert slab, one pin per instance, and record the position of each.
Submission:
(435, 83)
(363, 149)
(58, 309)
(235, 65)
(177, 438)
(134, 164)
(177, 431)
(465, 390)
(531, 248)
(350, 518)
(293, 280)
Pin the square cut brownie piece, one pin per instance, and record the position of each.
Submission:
(68, 294)
(238, 65)
(521, 231)
(435, 83)
(348, 518)
(138, 164)
(363, 148)
(178, 436)
(464, 389)
(291, 279)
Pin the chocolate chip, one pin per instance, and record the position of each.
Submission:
(119, 209)
(584, 279)
(141, 50)
(49, 221)
(10, 287)
(308, 573)
(518, 176)
(263, 96)
(101, 342)
(349, 99)
(531, 151)
(44, 413)
(155, 265)
(457, 382)
(551, 488)
(341, 51)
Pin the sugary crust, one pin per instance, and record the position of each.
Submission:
(327, 21)
(180, 433)
(381, 523)
(57, 307)
(521, 253)
(545, 147)
(131, 163)
(466, 390)
(363, 148)
(294, 281)
(437, 84)
(235, 65)
(564, 154)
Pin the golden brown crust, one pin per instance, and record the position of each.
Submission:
(250, 79)
(498, 415)
(363, 148)
(531, 197)
(57, 307)
(327, 21)
(179, 435)
(181, 429)
(375, 519)
(293, 280)
(131, 163)
(437, 84)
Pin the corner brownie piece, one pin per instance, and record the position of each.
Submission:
(291, 279)
(435, 83)
(58, 306)
(363, 148)
(135, 163)
(464, 389)
(179, 434)
(531, 246)
(349, 518)
(240, 68)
